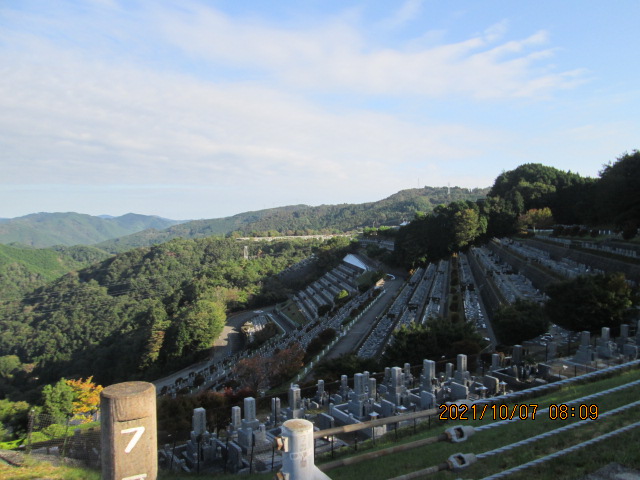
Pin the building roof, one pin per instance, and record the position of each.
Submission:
(355, 261)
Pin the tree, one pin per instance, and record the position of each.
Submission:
(253, 372)
(58, 399)
(536, 218)
(316, 345)
(323, 310)
(14, 417)
(617, 193)
(591, 302)
(341, 295)
(447, 229)
(200, 324)
(341, 298)
(439, 338)
(347, 364)
(286, 363)
(468, 225)
(520, 321)
(537, 186)
(259, 372)
(158, 322)
(86, 396)
(9, 364)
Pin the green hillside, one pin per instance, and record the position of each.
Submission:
(517, 198)
(25, 268)
(303, 219)
(47, 229)
(140, 313)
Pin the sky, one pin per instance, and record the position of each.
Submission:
(203, 109)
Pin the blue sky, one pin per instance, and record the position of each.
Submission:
(203, 109)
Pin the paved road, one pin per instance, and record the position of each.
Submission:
(361, 329)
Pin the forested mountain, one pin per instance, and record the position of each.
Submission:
(531, 191)
(47, 229)
(138, 313)
(303, 219)
(617, 193)
(25, 268)
(535, 186)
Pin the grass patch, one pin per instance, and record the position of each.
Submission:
(32, 469)
(54, 431)
(291, 310)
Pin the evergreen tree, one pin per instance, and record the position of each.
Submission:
(590, 302)
(58, 399)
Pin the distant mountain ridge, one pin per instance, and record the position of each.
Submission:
(48, 229)
(117, 234)
(301, 219)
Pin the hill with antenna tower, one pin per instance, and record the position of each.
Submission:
(304, 219)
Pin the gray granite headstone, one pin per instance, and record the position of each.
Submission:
(458, 391)
(449, 370)
(585, 338)
(199, 421)
(249, 409)
(344, 386)
(388, 408)
(462, 363)
(492, 384)
(236, 418)
(320, 390)
(294, 397)
(275, 411)
(359, 385)
(516, 356)
(495, 361)
(234, 457)
(427, 400)
(372, 388)
(325, 421)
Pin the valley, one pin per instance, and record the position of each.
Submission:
(485, 285)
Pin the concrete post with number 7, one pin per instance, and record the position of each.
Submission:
(129, 432)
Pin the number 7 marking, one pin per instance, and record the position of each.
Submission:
(136, 437)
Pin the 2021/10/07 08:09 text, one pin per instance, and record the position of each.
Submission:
(522, 411)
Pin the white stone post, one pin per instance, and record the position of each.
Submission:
(298, 456)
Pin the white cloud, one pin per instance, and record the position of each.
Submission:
(407, 12)
(335, 55)
(103, 102)
(76, 121)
